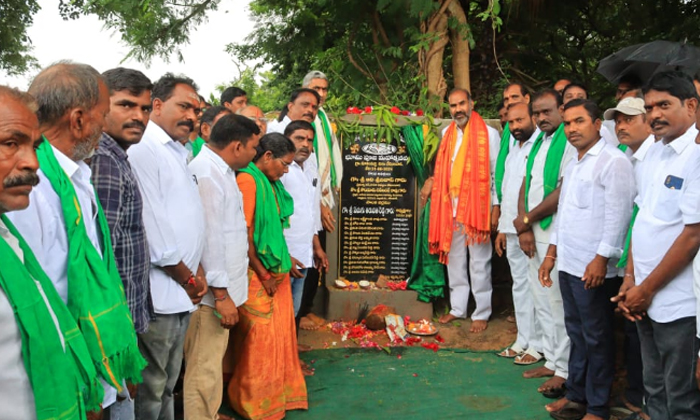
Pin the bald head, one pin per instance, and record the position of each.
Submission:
(561, 84)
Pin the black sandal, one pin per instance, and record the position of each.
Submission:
(570, 411)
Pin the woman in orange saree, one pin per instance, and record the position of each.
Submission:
(267, 378)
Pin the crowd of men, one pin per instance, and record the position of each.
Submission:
(125, 247)
(597, 213)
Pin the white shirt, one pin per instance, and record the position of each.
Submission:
(595, 206)
(43, 228)
(305, 222)
(536, 190)
(42, 225)
(668, 199)
(225, 255)
(172, 214)
(16, 394)
(278, 126)
(515, 165)
(494, 146)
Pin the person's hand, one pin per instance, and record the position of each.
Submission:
(296, 265)
(327, 219)
(527, 243)
(520, 225)
(495, 215)
(228, 311)
(595, 272)
(425, 191)
(199, 289)
(627, 283)
(320, 260)
(638, 299)
(500, 244)
(545, 272)
(270, 285)
(132, 388)
(94, 415)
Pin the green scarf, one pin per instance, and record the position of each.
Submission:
(95, 291)
(625, 252)
(622, 147)
(501, 160)
(551, 167)
(327, 133)
(197, 146)
(64, 382)
(427, 273)
(272, 203)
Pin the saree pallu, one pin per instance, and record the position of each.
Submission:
(267, 379)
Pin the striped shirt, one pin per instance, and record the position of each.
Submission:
(121, 200)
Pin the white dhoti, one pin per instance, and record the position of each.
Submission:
(529, 332)
(549, 313)
(469, 264)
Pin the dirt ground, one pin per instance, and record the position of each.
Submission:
(499, 334)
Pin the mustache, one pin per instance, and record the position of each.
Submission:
(658, 122)
(135, 124)
(30, 179)
(305, 149)
(308, 114)
(187, 123)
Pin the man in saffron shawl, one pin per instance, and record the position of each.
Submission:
(460, 215)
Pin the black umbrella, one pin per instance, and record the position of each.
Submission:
(645, 60)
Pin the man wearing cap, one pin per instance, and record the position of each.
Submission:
(633, 132)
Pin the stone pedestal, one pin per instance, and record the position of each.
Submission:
(345, 304)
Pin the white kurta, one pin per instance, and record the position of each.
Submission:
(305, 222)
(172, 214)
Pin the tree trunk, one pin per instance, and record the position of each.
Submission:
(434, 76)
(460, 46)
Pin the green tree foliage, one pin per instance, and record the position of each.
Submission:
(15, 17)
(262, 91)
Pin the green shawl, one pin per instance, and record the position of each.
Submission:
(272, 203)
(197, 146)
(551, 167)
(95, 291)
(64, 382)
(501, 160)
(327, 133)
(625, 252)
(427, 273)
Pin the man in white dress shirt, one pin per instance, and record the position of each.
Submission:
(73, 100)
(230, 146)
(657, 291)
(534, 210)
(174, 221)
(304, 224)
(527, 345)
(303, 105)
(595, 206)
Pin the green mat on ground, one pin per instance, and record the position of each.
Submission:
(421, 384)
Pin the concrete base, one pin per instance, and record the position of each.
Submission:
(345, 305)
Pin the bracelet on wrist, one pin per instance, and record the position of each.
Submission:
(222, 298)
(549, 256)
(190, 281)
(266, 277)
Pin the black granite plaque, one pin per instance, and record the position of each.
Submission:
(377, 212)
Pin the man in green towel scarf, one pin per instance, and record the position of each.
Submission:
(65, 226)
(538, 202)
(38, 333)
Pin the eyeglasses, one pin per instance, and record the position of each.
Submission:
(283, 162)
(261, 119)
